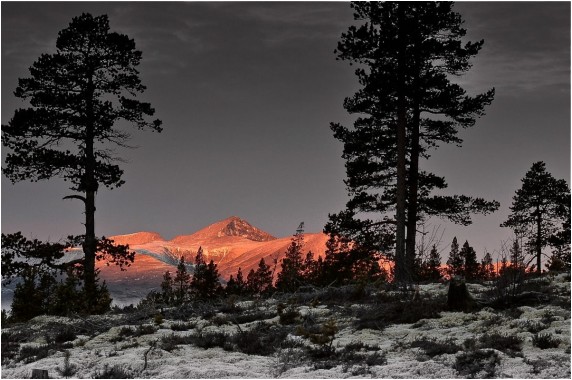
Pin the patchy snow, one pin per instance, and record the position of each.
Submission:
(92, 355)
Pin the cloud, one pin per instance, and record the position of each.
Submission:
(283, 23)
(527, 45)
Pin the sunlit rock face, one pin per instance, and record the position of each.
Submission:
(239, 227)
(233, 226)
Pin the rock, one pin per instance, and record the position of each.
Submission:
(458, 296)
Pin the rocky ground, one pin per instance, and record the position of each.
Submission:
(327, 333)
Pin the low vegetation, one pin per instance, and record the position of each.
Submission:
(545, 341)
(300, 333)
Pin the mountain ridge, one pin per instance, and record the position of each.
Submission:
(231, 243)
(229, 227)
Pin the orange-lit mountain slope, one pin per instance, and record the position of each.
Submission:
(231, 243)
(230, 227)
(137, 238)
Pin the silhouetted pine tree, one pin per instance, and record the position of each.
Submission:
(78, 95)
(345, 261)
(240, 283)
(455, 261)
(213, 286)
(230, 287)
(503, 266)
(167, 292)
(259, 281)
(291, 274)
(516, 256)
(311, 269)
(539, 207)
(487, 268)
(431, 269)
(470, 263)
(407, 55)
(205, 282)
(181, 282)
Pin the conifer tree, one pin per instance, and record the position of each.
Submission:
(260, 281)
(231, 287)
(181, 282)
(344, 258)
(407, 53)
(516, 256)
(240, 283)
(311, 269)
(291, 274)
(487, 268)
(205, 281)
(539, 208)
(212, 281)
(455, 261)
(431, 269)
(503, 266)
(470, 263)
(337, 261)
(167, 292)
(78, 96)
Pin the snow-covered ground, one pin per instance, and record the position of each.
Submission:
(148, 354)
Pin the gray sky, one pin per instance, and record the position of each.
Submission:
(246, 92)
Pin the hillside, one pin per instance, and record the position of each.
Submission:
(328, 333)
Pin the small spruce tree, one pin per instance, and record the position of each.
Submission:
(470, 263)
(167, 292)
(291, 275)
(431, 269)
(230, 287)
(205, 283)
(311, 269)
(240, 283)
(455, 261)
(487, 268)
(181, 282)
(260, 281)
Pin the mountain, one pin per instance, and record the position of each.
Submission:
(231, 243)
(230, 227)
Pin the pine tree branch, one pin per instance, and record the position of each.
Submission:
(81, 198)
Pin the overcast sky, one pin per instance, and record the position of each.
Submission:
(246, 92)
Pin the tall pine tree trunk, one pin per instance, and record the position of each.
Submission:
(89, 249)
(413, 187)
(538, 241)
(413, 180)
(90, 187)
(401, 275)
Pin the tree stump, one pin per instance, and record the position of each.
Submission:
(40, 374)
(458, 297)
